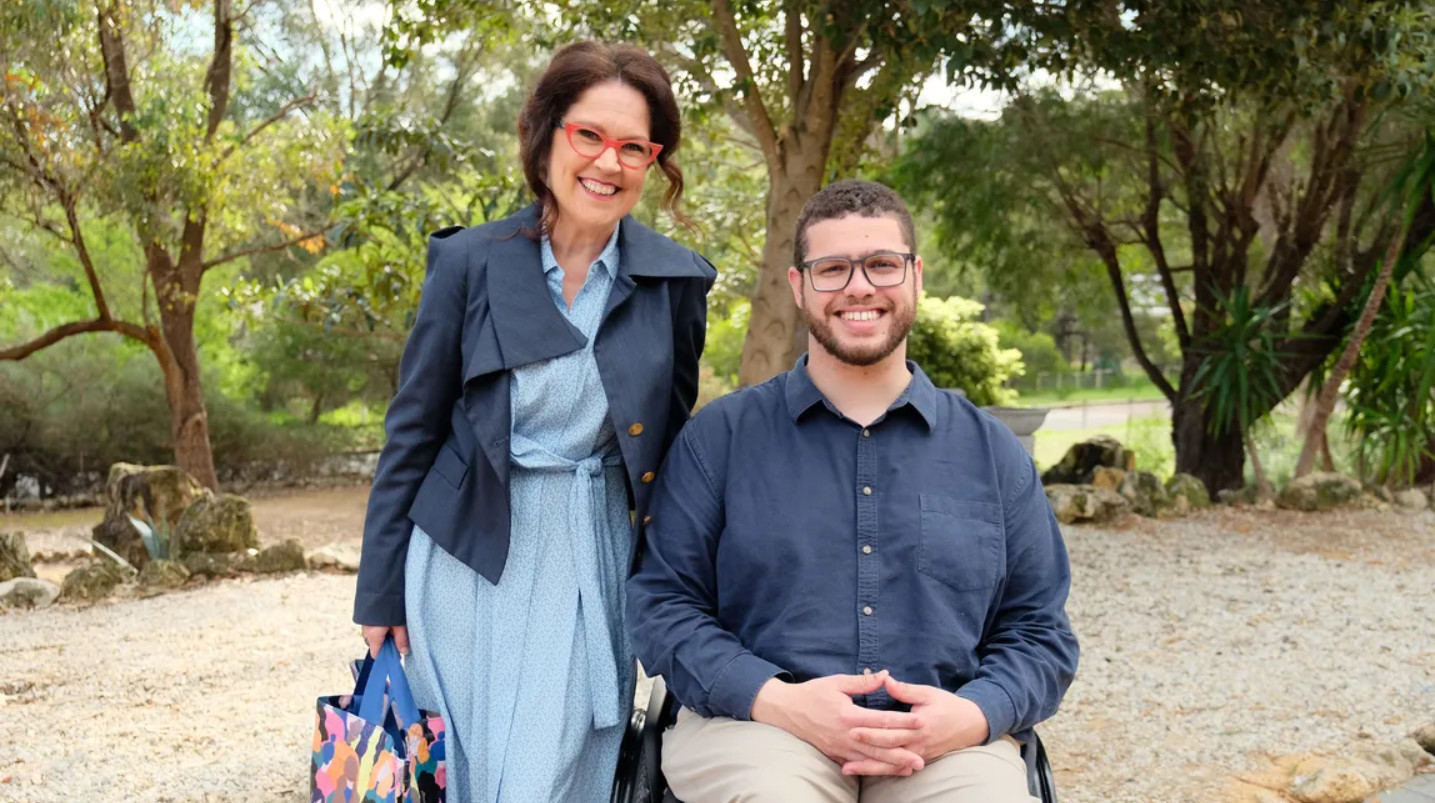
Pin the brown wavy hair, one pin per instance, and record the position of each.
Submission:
(574, 69)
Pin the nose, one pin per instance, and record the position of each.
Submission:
(608, 160)
(859, 285)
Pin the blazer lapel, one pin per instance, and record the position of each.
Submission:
(647, 254)
(528, 325)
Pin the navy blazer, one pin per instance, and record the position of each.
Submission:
(486, 309)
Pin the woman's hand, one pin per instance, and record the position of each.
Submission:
(374, 635)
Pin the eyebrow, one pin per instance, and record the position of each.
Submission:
(860, 255)
(602, 130)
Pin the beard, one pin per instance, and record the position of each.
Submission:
(863, 355)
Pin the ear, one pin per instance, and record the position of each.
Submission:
(794, 278)
(917, 274)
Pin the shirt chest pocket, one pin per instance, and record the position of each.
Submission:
(962, 543)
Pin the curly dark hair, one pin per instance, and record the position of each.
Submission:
(851, 197)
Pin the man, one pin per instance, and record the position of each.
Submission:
(852, 580)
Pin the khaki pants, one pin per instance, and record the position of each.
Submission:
(723, 760)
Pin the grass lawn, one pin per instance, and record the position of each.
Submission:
(1048, 398)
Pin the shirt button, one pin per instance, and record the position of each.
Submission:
(647, 519)
(866, 670)
(648, 477)
(867, 550)
(867, 611)
(866, 490)
(866, 433)
(635, 430)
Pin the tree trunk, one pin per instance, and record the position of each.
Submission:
(776, 335)
(189, 418)
(1325, 402)
(1263, 485)
(1217, 460)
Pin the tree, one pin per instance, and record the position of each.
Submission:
(808, 82)
(104, 116)
(1246, 148)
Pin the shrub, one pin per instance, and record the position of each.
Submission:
(959, 351)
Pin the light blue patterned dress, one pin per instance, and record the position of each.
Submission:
(534, 675)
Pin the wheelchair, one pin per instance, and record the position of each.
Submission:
(640, 775)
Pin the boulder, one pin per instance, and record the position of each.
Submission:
(1079, 465)
(208, 566)
(1107, 477)
(1075, 503)
(334, 557)
(14, 557)
(1238, 497)
(156, 494)
(287, 556)
(1192, 489)
(1148, 497)
(95, 580)
(1411, 499)
(27, 592)
(1425, 737)
(217, 524)
(1322, 490)
(163, 574)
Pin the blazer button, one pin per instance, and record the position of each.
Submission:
(648, 477)
(635, 430)
(647, 520)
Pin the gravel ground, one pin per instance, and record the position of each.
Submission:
(1208, 645)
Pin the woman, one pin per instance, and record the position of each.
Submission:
(553, 359)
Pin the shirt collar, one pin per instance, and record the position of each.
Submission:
(607, 261)
(920, 394)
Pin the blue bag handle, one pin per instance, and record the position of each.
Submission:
(385, 670)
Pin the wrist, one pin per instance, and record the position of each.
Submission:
(768, 707)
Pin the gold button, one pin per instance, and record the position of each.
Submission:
(635, 430)
(867, 550)
(867, 611)
(648, 477)
(647, 519)
(866, 433)
(866, 491)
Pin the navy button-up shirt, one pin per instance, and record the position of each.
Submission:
(789, 541)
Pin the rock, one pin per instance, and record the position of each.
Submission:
(1191, 489)
(1081, 460)
(156, 494)
(27, 592)
(163, 574)
(1145, 492)
(1411, 499)
(1107, 477)
(205, 565)
(1073, 503)
(14, 557)
(95, 580)
(334, 557)
(1319, 491)
(1338, 783)
(283, 557)
(1425, 737)
(217, 524)
(1238, 497)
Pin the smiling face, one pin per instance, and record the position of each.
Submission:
(860, 325)
(594, 193)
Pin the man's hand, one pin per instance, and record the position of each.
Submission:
(821, 713)
(946, 723)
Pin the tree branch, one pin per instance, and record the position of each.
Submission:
(796, 63)
(262, 249)
(283, 112)
(751, 97)
(1151, 224)
(216, 79)
(55, 335)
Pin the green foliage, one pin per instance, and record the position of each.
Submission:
(1391, 389)
(957, 350)
(723, 349)
(1039, 354)
(1238, 380)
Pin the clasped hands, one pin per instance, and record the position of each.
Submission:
(866, 741)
